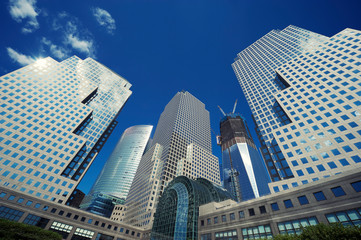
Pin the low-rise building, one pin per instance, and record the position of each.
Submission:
(336, 199)
(71, 223)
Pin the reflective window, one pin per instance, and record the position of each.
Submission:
(36, 221)
(319, 196)
(226, 235)
(350, 217)
(356, 186)
(288, 203)
(295, 226)
(256, 232)
(338, 191)
(303, 200)
(10, 214)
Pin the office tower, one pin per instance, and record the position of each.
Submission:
(306, 107)
(181, 146)
(255, 70)
(244, 173)
(113, 183)
(55, 118)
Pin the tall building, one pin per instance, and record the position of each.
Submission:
(181, 146)
(113, 183)
(244, 173)
(255, 70)
(304, 93)
(55, 118)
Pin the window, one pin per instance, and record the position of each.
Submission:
(319, 196)
(84, 233)
(274, 206)
(262, 209)
(303, 200)
(208, 221)
(295, 226)
(230, 234)
(207, 236)
(36, 221)
(251, 212)
(350, 217)
(232, 216)
(338, 191)
(215, 220)
(12, 197)
(10, 214)
(224, 219)
(62, 228)
(356, 186)
(241, 214)
(288, 203)
(256, 232)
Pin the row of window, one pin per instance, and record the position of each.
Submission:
(348, 217)
(303, 200)
(15, 215)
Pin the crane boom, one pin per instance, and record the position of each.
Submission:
(235, 105)
(221, 110)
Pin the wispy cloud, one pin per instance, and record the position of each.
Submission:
(57, 51)
(75, 35)
(19, 57)
(84, 46)
(25, 9)
(104, 18)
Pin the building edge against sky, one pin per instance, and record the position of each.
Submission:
(55, 118)
(305, 100)
(244, 173)
(114, 181)
(181, 146)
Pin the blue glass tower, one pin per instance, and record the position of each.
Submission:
(113, 183)
(244, 173)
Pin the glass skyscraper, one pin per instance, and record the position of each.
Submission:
(55, 118)
(244, 173)
(181, 146)
(113, 183)
(304, 93)
(255, 69)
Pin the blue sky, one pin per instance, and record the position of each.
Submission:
(160, 46)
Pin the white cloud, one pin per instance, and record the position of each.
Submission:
(84, 46)
(24, 9)
(19, 57)
(57, 51)
(104, 19)
(75, 35)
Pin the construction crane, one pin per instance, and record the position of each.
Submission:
(221, 110)
(235, 105)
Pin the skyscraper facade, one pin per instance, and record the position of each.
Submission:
(181, 146)
(55, 118)
(307, 109)
(244, 173)
(255, 70)
(118, 172)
